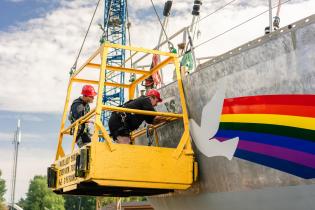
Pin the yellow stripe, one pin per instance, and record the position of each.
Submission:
(273, 119)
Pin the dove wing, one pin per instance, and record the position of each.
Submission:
(201, 142)
(211, 113)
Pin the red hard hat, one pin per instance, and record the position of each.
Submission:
(154, 92)
(88, 90)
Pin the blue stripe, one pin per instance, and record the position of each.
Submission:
(282, 165)
(281, 141)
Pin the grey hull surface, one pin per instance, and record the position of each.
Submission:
(276, 64)
(283, 198)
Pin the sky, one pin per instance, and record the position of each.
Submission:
(39, 40)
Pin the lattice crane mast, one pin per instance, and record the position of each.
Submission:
(114, 31)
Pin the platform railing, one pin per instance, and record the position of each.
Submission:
(99, 129)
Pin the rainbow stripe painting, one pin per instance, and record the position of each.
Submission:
(277, 131)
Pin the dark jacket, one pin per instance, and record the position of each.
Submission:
(78, 109)
(133, 121)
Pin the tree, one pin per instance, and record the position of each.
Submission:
(89, 202)
(22, 203)
(108, 200)
(79, 202)
(2, 191)
(40, 197)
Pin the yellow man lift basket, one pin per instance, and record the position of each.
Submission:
(111, 169)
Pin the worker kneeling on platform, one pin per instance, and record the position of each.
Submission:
(79, 108)
(121, 124)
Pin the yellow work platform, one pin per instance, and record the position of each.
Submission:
(111, 169)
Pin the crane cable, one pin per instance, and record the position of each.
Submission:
(73, 69)
(236, 26)
(170, 45)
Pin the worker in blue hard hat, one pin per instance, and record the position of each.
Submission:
(79, 108)
(122, 124)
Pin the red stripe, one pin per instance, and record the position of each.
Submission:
(297, 100)
(304, 111)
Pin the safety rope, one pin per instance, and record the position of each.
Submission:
(278, 10)
(238, 25)
(276, 21)
(169, 44)
(73, 69)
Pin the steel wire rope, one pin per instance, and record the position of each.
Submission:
(199, 20)
(77, 58)
(215, 11)
(242, 23)
(170, 45)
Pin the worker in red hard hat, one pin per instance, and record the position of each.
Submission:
(79, 108)
(121, 124)
(155, 94)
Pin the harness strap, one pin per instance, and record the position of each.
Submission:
(149, 137)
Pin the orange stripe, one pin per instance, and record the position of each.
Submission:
(293, 100)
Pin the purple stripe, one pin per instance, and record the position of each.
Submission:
(298, 157)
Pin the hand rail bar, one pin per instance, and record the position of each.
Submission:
(138, 133)
(120, 69)
(81, 120)
(138, 111)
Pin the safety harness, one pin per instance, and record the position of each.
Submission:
(123, 119)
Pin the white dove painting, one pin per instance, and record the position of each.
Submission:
(210, 119)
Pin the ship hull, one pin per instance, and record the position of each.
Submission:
(269, 106)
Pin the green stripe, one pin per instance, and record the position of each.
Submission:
(271, 129)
